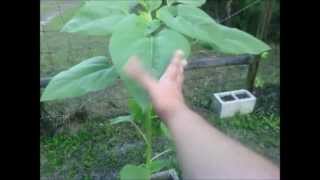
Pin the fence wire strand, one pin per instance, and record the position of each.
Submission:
(240, 11)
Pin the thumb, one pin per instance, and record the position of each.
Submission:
(134, 69)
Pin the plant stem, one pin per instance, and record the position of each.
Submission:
(140, 132)
(148, 127)
(149, 16)
(160, 154)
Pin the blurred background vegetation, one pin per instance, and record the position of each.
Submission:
(250, 19)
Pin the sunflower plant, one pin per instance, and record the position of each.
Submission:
(151, 30)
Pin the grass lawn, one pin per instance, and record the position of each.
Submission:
(86, 146)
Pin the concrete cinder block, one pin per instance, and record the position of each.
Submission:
(228, 103)
(246, 100)
(225, 104)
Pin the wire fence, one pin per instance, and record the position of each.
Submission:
(60, 51)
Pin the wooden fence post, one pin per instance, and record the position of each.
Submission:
(252, 73)
(262, 29)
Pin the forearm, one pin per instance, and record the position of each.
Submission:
(204, 152)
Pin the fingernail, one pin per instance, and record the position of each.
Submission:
(179, 52)
(184, 62)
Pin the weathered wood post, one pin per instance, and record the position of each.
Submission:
(262, 29)
(252, 72)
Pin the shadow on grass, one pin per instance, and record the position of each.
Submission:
(268, 99)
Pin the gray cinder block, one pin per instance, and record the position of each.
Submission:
(246, 101)
(228, 103)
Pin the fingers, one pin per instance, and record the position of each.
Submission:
(184, 63)
(174, 71)
(180, 76)
(173, 68)
(134, 69)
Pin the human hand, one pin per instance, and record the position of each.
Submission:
(166, 93)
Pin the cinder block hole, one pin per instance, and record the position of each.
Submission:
(227, 98)
(242, 95)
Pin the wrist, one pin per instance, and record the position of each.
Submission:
(175, 112)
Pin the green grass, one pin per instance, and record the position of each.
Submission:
(60, 51)
(57, 23)
(259, 132)
(47, 7)
(96, 148)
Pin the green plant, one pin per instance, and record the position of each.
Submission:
(151, 30)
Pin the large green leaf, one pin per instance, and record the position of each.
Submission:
(154, 51)
(98, 17)
(132, 172)
(195, 23)
(151, 4)
(196, 3)
(152, 27)
(90, 75)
